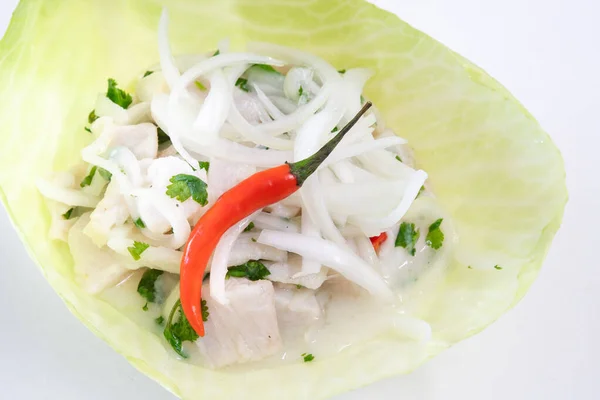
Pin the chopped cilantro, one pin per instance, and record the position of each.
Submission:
(497, 267)
(137, 249)
(205, 165)
(181, 331)
(147, 73)
(335, 129)
(398, 158)
(253, 270)
(435, 236)
(407, 237)
(183, 186)
(216, 53)
(253, 239)
(68, 214)
(249, 227)
(341, 71)
(266, 67)
(92, 116)
(160, 320)
(87, 181)
(118, 96)
(308, 357)
(88, 129)
(162, 136)
(299, 286)
(242, 83)
(147, 286)
(300, 91)
(145, 308)
(470, 267)
(104, 174)
(139, 223)
(200, 86)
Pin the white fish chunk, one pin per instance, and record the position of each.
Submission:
(288, 272)
(244, 330)
(296, 308)
(96, 268)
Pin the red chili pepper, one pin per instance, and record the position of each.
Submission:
(256, 192)
(377, 241)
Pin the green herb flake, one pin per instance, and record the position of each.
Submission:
(68, 214)
(139, 223)
(180, 331)
(183, 186)
(162, 136)
(145, 308)
(92, 116)
(341, 71)
(200, 86)
(307, 357)
(253, 270)
(88, 129)
(407, 237)
(253, 239)
(205, 165)
(497, 267)
(216, 53)
(435, 236)
(118, 96)
(242, 83)
(160, 320)
(335, 129)
(300, 91)
(147, 286)
(249, 227)
(298, 286)
(137, 249)
(147, 73)
(470, 267)
(267, 68)
(398, 158)
(104, 174)
(87, 181)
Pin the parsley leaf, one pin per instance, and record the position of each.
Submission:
(87, 181)
(147, 73)
(200, 86)
(162, 136)
(118, 96)
(160, 320)
(308, 357)
(435, 236)
(67, 215)
(249, 227)
(242, 83)
(181, 331)
(137, 249)
(92, 116)
(216, 53)
(147, 286)
(183, 186)
(253, 270)
(497, 267)
(204, 165)
(139, 223)
(105, 174)
(266, 67)
(407, 237)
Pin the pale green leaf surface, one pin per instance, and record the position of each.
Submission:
(493, 168)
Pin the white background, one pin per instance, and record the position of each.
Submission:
(547, 53)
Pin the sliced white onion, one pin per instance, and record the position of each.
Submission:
(333, 256)
(218, 266)
(167, 63)
(215, 109)
(71, 197)
(353, 150)
(373, 226)
(268, 221)
(267, 103)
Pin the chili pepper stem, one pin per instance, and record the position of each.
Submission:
(304, 168)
